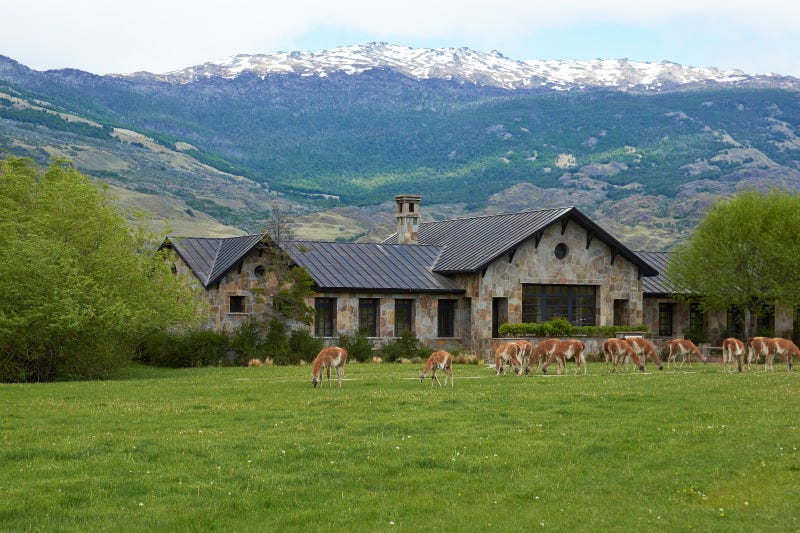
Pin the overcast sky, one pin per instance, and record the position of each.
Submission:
(123, 36)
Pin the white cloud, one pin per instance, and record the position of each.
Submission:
(159, 35)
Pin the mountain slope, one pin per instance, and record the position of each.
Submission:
(642, 147)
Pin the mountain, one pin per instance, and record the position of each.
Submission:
(642, 148)
(468, 66)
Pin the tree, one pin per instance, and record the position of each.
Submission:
(743, 253)
(78, 289)
(294, 284)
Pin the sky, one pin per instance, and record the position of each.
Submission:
(123, 36)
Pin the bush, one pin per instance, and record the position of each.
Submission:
(406, 346)
(304, 346)
(562, 328)
(191, 349)
(359, 348)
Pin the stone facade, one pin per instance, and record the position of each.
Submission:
(715, 323)
(425, 318)
(247, 281)
(532, 264)
(565, 253)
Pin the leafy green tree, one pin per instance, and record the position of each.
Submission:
(77, 286)
(743, 253)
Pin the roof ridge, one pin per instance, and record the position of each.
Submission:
(364, 243)
(476, 217)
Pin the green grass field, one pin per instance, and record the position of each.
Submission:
(258, 449)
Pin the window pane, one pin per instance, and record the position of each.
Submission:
(368, 317)
(236, 304)
(447, 315)
(665, 319)
(403, 317)
(325, 320)
(532, 303)
(576, 303)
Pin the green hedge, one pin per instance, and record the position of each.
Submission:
(562, 328)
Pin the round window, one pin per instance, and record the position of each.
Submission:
(259, 271)
(560, 251)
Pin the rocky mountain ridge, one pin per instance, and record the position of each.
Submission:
(482, 68)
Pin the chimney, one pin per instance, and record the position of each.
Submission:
(407, 218)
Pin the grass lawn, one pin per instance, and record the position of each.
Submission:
(258, 449)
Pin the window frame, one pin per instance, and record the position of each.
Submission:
(324, 317)
(403, 316)
(576, 303)
(446, 318)
(666, 314)
(368, 309)
(240, 304)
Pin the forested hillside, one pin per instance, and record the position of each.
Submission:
(356, 140)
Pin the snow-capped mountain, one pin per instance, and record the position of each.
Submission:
(465, 65)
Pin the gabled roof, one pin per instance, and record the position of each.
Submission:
(211, 258)
(471, 244)
(659, 285)
(333, 266)
(337, 266)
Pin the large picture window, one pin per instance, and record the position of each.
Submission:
(325, 317)
(403, 317)
(446, 322)
(368, 317)
(576, 303)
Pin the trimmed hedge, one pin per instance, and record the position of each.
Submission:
(562, 328)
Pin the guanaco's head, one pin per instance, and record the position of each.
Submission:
(314, 380)
(422, 377)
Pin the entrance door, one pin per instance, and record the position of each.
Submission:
(622, 312)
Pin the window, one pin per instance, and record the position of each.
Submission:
(403, 317)
(447, 318)
(665, 319)
(325, 317)
(236, 304)
(560, 251)
(368, 317)
(259, 271)
(576, 303)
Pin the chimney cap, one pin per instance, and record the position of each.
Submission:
(408, 197)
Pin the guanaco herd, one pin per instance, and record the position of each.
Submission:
(519, 355)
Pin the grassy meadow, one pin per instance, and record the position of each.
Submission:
(258, 449)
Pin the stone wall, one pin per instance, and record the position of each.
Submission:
(240, 281)
(425, 317)
(539, 265)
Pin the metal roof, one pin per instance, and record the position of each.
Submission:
(337, 266)
(659, 285)
(470, 244)
(453, 246)
(211, 258)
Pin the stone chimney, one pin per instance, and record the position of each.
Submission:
(407, 218)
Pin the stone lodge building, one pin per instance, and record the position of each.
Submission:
(451, 282)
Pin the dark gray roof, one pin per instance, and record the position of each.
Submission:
(334, 266)
(445, 247)
(211, 258)
(659, 285)
(470, 244)
(374, 267)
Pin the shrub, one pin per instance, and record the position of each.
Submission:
(406, 346)
(194, 348)
(359, 348)
(562, 328)
(304, 346)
